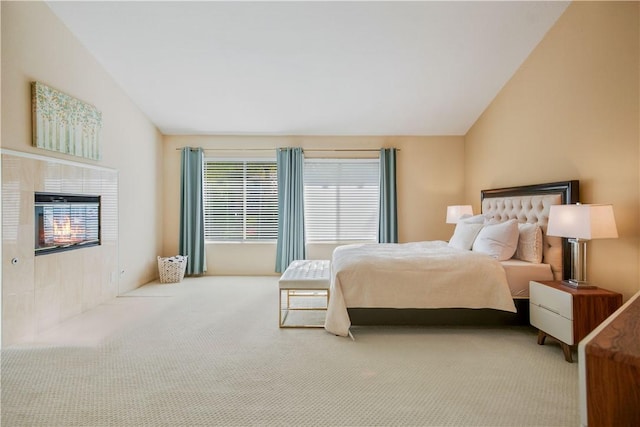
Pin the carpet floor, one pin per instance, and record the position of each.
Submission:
(208, 352)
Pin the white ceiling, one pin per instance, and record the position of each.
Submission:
(311, 68)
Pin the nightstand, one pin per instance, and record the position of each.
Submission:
(568, 314)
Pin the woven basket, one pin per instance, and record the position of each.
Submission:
(172, 269)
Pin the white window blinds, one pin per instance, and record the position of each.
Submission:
(341, 200)
(240, 200)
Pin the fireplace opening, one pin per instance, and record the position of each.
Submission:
(65, 222)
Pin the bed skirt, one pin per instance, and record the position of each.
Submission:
(441, 316)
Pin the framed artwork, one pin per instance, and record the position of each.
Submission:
(65, 124)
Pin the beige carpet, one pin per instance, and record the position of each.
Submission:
(208, 352)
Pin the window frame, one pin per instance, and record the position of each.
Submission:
(245, 161)
(334, 239)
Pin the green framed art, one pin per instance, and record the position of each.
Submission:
(65, 124)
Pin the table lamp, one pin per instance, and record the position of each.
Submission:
(581, 223)
(455, 212)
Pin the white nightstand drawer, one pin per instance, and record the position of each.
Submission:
(568, 314)
(552, 323)
(552, 299)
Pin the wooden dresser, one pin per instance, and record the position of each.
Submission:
(610, 370)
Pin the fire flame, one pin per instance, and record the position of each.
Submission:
(65, 232)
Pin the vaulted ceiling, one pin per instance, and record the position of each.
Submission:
(311, 68)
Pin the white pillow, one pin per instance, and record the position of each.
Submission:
(476, 219)
(464, 235)
(529, 243)
(499, 241)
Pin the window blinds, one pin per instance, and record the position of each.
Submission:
(341, 199)
(240, 200)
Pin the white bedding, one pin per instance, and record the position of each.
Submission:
(412, 275)
(520, 273)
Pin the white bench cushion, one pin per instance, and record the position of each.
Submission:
(306, 274)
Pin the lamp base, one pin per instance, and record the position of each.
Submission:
(575, 284)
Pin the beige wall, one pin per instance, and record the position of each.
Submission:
(430, 177)
(571, 112)
(36, 46)
(1, 255)
(38, 292)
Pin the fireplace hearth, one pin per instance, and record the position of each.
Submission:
(65, 222)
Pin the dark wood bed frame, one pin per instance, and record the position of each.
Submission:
(569, 191)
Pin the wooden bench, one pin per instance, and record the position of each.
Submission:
(304, 279)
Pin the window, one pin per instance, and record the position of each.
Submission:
(341, 199)
(240, 200)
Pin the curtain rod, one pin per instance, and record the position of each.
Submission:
(271, 149)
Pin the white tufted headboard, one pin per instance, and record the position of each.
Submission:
(531, 204)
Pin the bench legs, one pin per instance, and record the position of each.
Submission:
(300, 293)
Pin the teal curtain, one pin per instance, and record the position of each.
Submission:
(191, 211)
(388, 222)
(290, 245)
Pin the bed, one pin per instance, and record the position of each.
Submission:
(373, 283)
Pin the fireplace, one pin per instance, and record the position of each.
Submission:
(65, 222)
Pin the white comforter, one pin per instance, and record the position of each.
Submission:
(412, 275)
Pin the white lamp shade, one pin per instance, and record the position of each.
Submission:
(455, 212)
(582, 221)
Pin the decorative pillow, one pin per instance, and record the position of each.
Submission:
(476, 219)
(499, 241)
(464, 235)
(529, 243)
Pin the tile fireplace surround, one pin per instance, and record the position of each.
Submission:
(40, 292)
